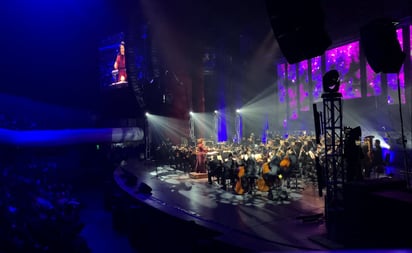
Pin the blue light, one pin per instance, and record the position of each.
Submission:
(222, 130)
(265, 130)
(12, 209)
(69, 136)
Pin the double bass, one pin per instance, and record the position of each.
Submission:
(242, 184)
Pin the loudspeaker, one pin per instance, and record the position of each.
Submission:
(381, 46)
(144, 189)
(298, 26)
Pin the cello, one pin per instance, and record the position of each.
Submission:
(241, 183)
(261, 183)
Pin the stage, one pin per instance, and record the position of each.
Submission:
(250, 221)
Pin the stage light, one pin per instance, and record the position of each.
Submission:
(216, 111)
(147, 114)
(331, 81)
(237, 110)
(191, 113)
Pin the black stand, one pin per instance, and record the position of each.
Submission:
(403, 139)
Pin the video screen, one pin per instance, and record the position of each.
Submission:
(393, 97)
(303, 86)
(316, 78)
(345, 59)
(292, 92)
(112, 53)
(373, 82)
(281, 83)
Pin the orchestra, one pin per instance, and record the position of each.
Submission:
(239, 165)
(247, 167)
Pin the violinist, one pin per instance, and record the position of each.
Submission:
(201, 152)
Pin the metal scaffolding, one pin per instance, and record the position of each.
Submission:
(334, 174)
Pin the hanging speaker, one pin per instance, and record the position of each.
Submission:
(298, 26)
(381, 46)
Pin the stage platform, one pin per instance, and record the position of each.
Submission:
(251, 221)
(196, 175)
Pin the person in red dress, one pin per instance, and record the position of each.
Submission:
(201, 151)
(120, 64)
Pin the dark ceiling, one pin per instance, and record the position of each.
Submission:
(49, 49)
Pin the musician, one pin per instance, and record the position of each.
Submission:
(229, 168)
(377, 157)
(353, 155)
(120, 63)
(251, 140)
(201, 151)
(283, 147)
(215, 168)
(366, 161)
(251, 170)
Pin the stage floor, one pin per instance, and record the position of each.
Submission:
(250, 221)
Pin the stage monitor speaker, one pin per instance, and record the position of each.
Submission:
(298, 26)
(144, 189)
(381, 46)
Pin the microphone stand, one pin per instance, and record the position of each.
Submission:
(405, 157)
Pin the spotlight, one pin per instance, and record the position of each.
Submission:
(216, 111)
(237, 110)
(331, 81)
(147, 114)
(191, 113)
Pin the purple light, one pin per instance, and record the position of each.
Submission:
(410, 39)
(303, 85)
(374, 82)
(393, 79)
(292, 91)
(345, 59)
(281, 83)
(316, 77)
(399, 35)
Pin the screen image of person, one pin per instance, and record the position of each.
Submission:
(120, 64)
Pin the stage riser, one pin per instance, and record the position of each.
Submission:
(194, 175)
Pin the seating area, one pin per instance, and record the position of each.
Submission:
(39, 211)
